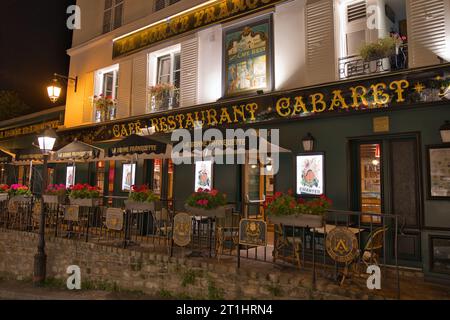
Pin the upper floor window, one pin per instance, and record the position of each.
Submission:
(106, 94)
(165, 93)
(161, 4)
(113, 15)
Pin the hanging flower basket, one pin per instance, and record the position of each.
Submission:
(143, 206)
(53, 199)
(21, 199)
(219, 212)
(95, 202)
(301, 220)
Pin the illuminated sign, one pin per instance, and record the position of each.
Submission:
(202, 16)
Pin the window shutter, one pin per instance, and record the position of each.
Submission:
(88, 106)
(320, 49)
(189, 73)
(139, 98)
(427, 32)
(124, 90)
(356, 11)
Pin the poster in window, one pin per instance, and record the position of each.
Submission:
(70, 176)
(310, 174)
(128, 176)
(248, 58)
(203, 175)
(439, 172)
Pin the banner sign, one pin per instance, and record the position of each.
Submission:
(343, 98)
(71, 213)
(114, 219)
(31, 129)
(182, 229)
(215, 13)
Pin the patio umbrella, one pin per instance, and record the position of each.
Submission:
(135, 145)
(78, 150)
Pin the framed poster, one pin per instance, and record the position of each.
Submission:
(311, 174)
(203, 175)
(128, 176)
(70, 176)
(439, 172)
(248, 58)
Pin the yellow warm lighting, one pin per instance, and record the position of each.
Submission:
(166, 19)
(54, 91)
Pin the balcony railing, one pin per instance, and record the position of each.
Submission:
(106, 115)
(355, 66)
(168, 101)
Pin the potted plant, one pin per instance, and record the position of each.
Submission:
(161, 96)
(207, 203)
(4, 189)
(380, 50)
(84, 195)
(20, 193)
(105, 107)
(284, 209)
(55, 194)
(142, 199)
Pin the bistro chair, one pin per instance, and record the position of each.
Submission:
(373, 246)
(161, 218)
(286, 247)
(227, 232)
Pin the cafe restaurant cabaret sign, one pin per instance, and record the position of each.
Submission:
(217, 12)
(388, 93)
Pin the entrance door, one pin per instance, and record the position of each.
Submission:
(386, 180)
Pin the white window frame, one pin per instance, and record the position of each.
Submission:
(114, 5)
(99, 85)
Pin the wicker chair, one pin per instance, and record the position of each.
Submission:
(373, 246)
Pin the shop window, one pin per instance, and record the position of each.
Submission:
(100, 176)
(165, 94)
(106, 94)
(161, 4)
(370, 176)
(113, 15)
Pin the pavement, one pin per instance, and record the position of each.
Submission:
(16, 290)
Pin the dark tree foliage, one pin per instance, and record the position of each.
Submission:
(11, 105)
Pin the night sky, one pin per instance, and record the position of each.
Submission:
(33, 43)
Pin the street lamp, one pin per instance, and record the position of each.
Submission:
(308, 143)
(54, 89)
(46, 143)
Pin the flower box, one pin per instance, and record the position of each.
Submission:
(301, 220)
(219, 212)
(3, 197)
(85, 202)
(52, 199)
(143, 206)
(21, 199)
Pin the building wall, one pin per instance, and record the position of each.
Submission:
(305, 51)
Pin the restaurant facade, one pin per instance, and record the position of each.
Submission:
(290, 67)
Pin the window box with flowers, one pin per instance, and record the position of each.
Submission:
(164, 96)
(20, 193)
(55, 194)
(84, 195)
(206, 203)
(284, 209)
(143, 199)
(4, 189)
(105, 108)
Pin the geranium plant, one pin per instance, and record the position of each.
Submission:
(142, 194)
(84, 191)
(161, 90)
(285, 204)
(104, 103)
(19, 190)
(207, 199)
(4, 188)
(56, 190)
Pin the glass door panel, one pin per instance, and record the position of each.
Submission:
(370, 181)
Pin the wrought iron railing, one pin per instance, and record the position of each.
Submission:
(168, 101)
(355, 66)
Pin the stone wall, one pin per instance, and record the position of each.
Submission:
(157, 274)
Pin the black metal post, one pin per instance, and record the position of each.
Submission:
(40, 259)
